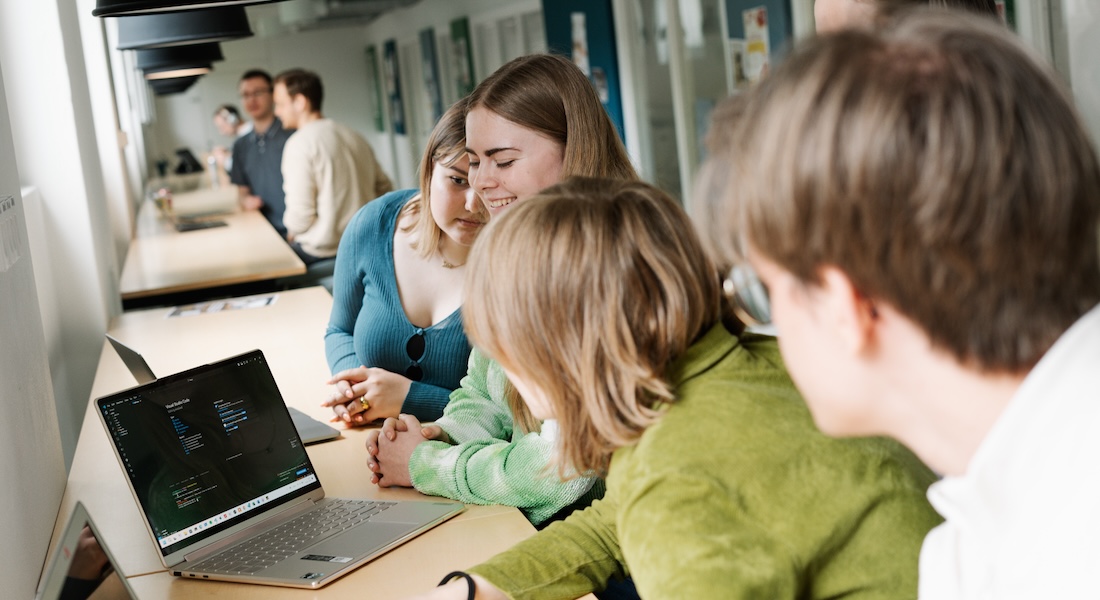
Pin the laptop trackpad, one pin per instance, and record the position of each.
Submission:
(360, 541)
(414, 512)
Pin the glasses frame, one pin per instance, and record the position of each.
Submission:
(748, 295)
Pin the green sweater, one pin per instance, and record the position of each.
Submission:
(735, 494)
(491, 460)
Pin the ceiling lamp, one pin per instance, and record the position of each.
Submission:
(165, 87)
(178, 61)
(121, 8)
(180, 29)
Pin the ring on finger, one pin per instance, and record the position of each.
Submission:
(363, 402)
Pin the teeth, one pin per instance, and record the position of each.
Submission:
(501, 202)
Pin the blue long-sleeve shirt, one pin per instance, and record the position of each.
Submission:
(368, 326)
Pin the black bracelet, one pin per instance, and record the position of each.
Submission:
(464, 575)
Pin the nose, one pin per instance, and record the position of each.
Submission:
(480, 180)
(473, 201)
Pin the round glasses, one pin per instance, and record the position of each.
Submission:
(414, 347)
(748, 296)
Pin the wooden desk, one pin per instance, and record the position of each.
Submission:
(290, 333)
(162, 260)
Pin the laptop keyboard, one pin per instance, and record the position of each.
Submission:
(260, 552)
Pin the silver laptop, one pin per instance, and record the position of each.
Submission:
(311, 430)
(227, 490)
(82, 565)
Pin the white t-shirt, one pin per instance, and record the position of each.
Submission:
(1024, 521)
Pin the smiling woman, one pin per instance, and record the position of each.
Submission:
(533, 122)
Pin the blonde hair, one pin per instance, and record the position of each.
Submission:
(446, 145)
(939, 165)
(589, 291)
(549, 94)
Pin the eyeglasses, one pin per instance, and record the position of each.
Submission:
(255, 94)
(748, 295)
(415, 349)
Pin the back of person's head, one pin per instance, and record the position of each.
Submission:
(446, 146)
(304, 83)
(588, 291)
(257, 74)
(550, 95)
(941, 166)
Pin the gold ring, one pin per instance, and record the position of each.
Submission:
(363, 401)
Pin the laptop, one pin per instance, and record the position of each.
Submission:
(227, 490)
(311, 430)
(82, 565)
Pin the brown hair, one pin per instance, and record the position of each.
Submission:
(306, 83)
(941, 166)
(446, 145)
(548, 94)
(589, 291)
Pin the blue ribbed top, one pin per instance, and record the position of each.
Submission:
(368, 326)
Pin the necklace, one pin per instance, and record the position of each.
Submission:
(446, 263)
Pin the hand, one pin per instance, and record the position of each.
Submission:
(384, 393)
(89, 559)
(390, 450)
(252, 202)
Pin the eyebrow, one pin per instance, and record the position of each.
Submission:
(488, 153)
(457, 170)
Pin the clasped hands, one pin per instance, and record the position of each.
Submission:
(389, 449)
(366, 394)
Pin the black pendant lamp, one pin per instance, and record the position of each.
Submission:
(167, 87)
(121, 8)
(178, 61)
(181, 29)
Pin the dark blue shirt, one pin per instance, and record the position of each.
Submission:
(257, 163)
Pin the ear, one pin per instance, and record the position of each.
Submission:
(853, 315)
(300, 104)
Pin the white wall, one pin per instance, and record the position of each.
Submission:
(338, 55)
(31, 465)
(1082, 23)
(54, 138)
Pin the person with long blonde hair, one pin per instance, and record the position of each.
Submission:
(599, 302)
(395, 341)
(534, 121)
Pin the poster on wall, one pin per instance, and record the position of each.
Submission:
(430, 70)
(755, 58)
(462, 56)
(375, 84)
(580, 42)
(393, 86)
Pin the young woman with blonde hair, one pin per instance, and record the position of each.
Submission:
(598, 300)
(534, 121)
(395, 341)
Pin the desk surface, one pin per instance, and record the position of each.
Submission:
(290, 333)
(162, 260)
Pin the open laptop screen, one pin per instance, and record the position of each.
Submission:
(207, 448)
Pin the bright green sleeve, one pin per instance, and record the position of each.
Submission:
(491, 462)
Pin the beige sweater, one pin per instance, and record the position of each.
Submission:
(329, 171)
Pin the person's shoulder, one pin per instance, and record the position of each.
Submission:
(382, 211)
